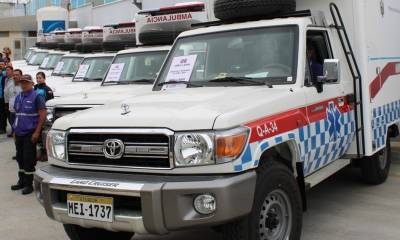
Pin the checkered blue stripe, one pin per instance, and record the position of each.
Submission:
(381, 117)
(316, 144)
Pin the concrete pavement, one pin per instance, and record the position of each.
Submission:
(340, 208)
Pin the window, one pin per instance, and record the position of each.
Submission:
(318, 49)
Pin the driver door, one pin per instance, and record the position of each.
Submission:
(322, 137)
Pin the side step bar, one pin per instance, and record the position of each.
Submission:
(326, 172)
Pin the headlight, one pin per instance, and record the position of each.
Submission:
(56, 144)
(194, 149)
(50, 115)
(206, 148)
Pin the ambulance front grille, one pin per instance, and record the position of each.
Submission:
(139, 150)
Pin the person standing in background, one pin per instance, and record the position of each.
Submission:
(7, 54)
(41, 87)
(11, 92)
(3, 116)
(9, 86)
(30, 109)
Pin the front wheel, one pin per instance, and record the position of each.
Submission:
(375, 169)
(277, 208)
(75, 232)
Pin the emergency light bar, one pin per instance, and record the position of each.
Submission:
(92, 34)
(119, 36)
(59, 36)
(73, 35)
(163, 25)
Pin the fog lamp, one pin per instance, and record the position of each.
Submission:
(205, 204)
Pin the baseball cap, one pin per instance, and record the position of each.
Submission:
(26, 78)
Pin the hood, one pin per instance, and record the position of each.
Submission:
(74, 88)
(30, 68)
(102, 95)
(184, 109)
(56, 82)
(19, 63)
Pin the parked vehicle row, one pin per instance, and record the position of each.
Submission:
(230, 126)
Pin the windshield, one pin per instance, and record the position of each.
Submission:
(67, 66)
(135, 67)
(262, 56)
(28, 53)
(93, 69)
(51, 61)
(37, 58)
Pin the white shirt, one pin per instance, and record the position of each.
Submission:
(10, 93)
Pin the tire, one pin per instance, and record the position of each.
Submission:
(67, 46)
(157, 37)
(75, 232)
(276, 183)
(89, 47)
(234, 9)
(375, 169)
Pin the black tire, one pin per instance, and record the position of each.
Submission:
(75, 232)
(272, 177)
(89, 47)
(67, 46)
(375, 169)
(158, 37)
(236, 9)
(118, 46)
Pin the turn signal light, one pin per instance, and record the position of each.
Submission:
(230, 147)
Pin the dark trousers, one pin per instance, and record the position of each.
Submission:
(26, 157)
(3, 115)
(11, 120)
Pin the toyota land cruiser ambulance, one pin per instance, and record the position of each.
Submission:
(246, 114)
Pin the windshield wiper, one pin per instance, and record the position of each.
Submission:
(240, 80)
(66, 74)
(92, 79)
(189, 84)
(144, 80)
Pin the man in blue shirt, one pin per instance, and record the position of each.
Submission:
(3, 113)
(30, 111)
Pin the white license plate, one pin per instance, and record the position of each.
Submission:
(90, 207)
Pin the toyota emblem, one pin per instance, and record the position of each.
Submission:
(113, 149)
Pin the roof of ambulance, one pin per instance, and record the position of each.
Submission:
(248, 25)
(87, 55)
(140, 49)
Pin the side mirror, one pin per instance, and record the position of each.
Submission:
(331, 72)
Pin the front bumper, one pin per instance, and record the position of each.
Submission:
(164, 203)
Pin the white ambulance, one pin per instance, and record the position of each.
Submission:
(246, 114)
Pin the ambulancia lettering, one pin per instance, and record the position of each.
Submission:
(122, 31)
(170, 18)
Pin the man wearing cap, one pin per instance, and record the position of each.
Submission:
(30, 111)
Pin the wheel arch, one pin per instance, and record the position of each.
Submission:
(286, 152)
(289, 154)
(393, 130)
